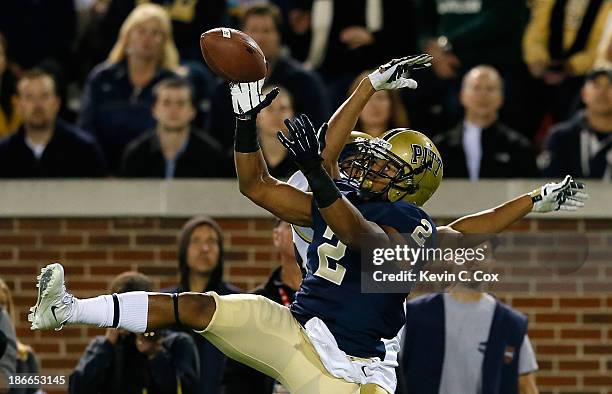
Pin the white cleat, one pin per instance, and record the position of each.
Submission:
(54, 305)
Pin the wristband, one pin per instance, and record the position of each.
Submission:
(536, 196)
(246, 136)
(324, 190)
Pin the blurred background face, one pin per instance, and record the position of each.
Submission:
(481, 93)
(145, 40)
(173, 108)
(377, 112)
(203, 253)
(263, 30)
(37, 102)
(270, 119)
(597, 95)
(283, 240)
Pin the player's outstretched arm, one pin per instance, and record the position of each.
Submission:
(568, 195)
(344, 219)
(281, 199)
(389, 76)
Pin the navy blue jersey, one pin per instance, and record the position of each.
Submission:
(331, 289)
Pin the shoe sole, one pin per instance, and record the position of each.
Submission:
(45, 280)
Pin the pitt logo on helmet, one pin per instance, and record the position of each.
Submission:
(426, 155)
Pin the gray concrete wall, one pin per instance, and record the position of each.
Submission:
(221, 198)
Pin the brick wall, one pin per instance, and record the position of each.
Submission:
(571, 330)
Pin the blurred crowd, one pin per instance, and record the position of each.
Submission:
(118, 88)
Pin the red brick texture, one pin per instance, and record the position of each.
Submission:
(570, 326)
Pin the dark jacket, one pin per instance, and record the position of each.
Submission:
(567, 144)
(306, 88)
(27, 365)
(39, 32)
(423, 348)
(121, 368)
(284, 169)
(505, 153)
(480, 31)
(70, 153)
(212, 361)
(202, 157)
(8, 346)
(396, 37)
(113, 111)
(239, 378)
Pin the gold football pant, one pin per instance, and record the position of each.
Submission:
(264, 335)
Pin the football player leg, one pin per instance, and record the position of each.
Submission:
(264, 335)
(251, 329)
(134, 311)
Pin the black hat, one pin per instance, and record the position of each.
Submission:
(596, 72)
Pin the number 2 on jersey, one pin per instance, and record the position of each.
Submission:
(326, 251)
(421, 233)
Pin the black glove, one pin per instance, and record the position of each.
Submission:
(302, 143)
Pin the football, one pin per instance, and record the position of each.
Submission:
(233, 55)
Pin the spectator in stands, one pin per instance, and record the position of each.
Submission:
(560, 46)
(263, 23)
(125, 363)
(92, 44)
(116, 104)
(604, 51)
(40, 33)
(9, 117)
(8, 359)
(45, 146)
(201, 257)
(582, 146)
(347, 40)
(175, 149)
(26, 361)
(465, 339)
(280, 288)
(384, 111)
(461, 35)
(480, 146)
(269, 122)
(189, 20)
(297, 33)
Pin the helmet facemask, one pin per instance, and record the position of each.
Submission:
(371, 161)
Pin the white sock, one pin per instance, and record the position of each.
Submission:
(100, 311)
(133, 311)
(95, 311)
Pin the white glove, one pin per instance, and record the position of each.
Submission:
(568, 195)
(396, 73)
(247, 99)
